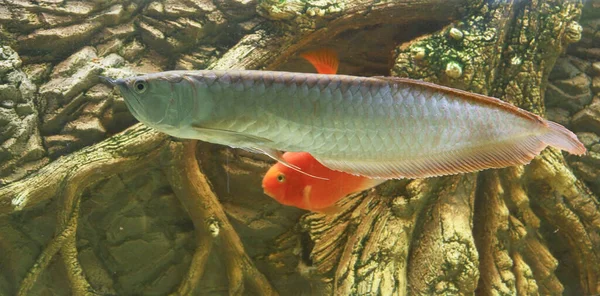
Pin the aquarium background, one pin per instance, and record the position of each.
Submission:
(107, 216)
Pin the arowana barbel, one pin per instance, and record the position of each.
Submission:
(379, 127)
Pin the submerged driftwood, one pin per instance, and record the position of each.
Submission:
(526, 230)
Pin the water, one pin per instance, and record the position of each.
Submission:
(93, 202)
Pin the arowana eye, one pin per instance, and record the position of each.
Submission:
(140, 86)
(281, 178)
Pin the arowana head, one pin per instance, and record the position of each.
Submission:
(161, 100)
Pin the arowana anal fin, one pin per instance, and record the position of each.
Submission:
(498, 155)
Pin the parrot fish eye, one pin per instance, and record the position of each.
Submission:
(280, 178)
(140, 86)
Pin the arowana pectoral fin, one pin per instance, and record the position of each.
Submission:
(251, 143)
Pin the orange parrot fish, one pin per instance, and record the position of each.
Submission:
(302, 189)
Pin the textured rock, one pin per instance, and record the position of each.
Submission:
(584, 66)
(192, 30)
(596, 84)
(559, 115)
(99, 92)
(155, 8)
(249, 25)
(577, 85)
(16, 258)
(238, 9)
(38, 72)
(199, 59)
(9, 60)
(564, 69)
(60, 145)
(60, 92)
(150, 225)
(116, 14)
(70, 65)
(61, 97)
(87, 129)
(569, 86)
(20, 143)
(175, 8)
(58, 41)
(131, 256)
(21, 19)
(154, 37)
(118, 32)
(93, 269)
(588, 166)
(556, 97)
(115, 118)
(596, 68)
(204, 5)
(112, 61)
(52, 122)
(53, 20)
(249, 222)
(127, 228)
(590, 53)
(5, 14)
(72, 8)
(588, 119)
(171, 26)
(135, 214)
(96, 109)
(110, 46)
(75, 104)
(132, 50)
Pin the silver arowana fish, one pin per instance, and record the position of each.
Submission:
(378, 127)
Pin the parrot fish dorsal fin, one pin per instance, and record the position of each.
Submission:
(324, 60)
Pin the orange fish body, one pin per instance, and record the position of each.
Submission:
(292, 188)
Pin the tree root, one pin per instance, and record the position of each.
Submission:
(75, 273)
(70, 175)
(48, 253)
(365, 247)
(71, 201)
(491, 237)
(125, 152)
(64, 242)
(569, 206)
(445, 240)
(193, 190)
(212, 226)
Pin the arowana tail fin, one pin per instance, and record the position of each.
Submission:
(561, 138)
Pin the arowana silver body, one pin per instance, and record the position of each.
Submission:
(379, 127)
